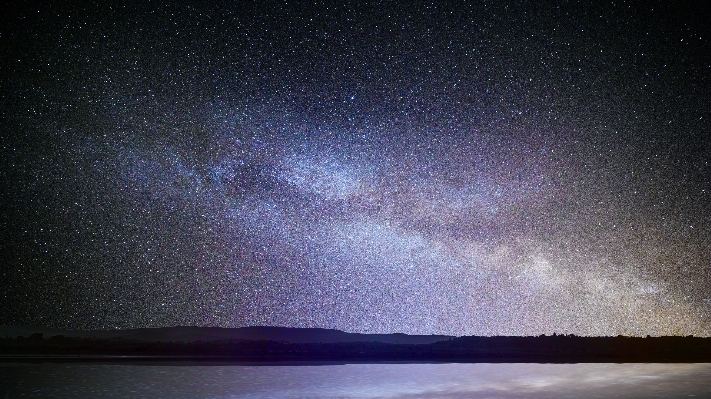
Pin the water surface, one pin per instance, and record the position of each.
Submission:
(392, 381)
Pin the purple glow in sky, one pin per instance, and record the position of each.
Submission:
(492, 169)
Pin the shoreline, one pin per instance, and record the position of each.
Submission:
(315, 361)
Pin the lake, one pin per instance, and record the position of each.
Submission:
(381, 380)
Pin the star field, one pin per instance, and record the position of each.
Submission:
(490, 169)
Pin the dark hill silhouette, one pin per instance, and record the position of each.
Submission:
(256, 344)
(194, 334)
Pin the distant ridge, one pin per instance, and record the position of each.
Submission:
(194, 334)
(259, 344)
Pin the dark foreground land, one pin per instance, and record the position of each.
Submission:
(270, 344)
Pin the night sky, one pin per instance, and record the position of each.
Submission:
(501, 168)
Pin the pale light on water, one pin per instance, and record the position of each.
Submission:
(366, 381)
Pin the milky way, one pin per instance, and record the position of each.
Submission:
(492, 169)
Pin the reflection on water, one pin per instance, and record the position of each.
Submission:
(412, 381)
